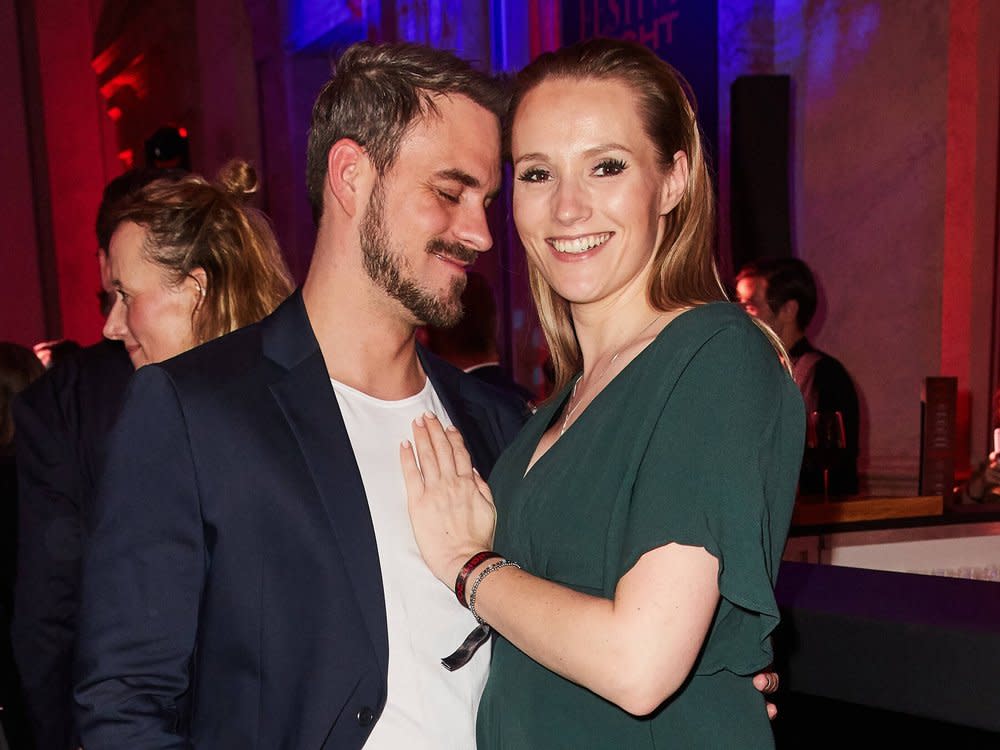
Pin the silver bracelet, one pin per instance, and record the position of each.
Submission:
(496, 565)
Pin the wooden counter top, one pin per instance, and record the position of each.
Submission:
(811, 511)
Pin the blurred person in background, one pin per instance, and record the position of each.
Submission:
(782, 293)
(187, 260)
(18, 368)
(983, 485)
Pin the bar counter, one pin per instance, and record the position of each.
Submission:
(911, 640)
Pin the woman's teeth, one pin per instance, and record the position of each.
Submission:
(580, 244)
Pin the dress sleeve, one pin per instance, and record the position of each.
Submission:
(719, 472)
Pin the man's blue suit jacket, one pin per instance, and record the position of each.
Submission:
(232, 591)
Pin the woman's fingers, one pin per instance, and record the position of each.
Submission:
(412, 477)
(766, 682)
(482, 486)
(443, 451)
(445, 498)
(424, 449)
(460, 456)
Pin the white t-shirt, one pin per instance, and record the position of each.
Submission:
(427, 706)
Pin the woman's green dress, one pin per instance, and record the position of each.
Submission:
(697, 441)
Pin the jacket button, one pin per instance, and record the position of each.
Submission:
(365, 716)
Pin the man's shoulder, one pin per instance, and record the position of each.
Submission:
(828, 373)
(830, 365)
(503, 402)
(507, 401)
(498, 377)
(233, 356)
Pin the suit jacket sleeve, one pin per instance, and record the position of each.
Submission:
(143, 575)
(49, 549)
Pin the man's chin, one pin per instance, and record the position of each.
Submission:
(440, 318)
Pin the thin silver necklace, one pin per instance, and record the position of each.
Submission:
(572, 396)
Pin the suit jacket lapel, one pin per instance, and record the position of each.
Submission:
(310, 406)
(469, 416)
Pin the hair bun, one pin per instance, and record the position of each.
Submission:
(239, 179)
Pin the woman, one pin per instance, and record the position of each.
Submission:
(647, 503)
(189, 262)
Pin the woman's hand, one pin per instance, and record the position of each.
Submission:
(451, 507)
(767, 683)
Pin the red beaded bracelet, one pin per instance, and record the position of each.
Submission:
(463, 575)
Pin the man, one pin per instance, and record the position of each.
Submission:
(782, 293)
(62, 424)
(252, 579)
(471, 344)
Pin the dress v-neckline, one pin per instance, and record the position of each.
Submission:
(568, 389)
(548, 424)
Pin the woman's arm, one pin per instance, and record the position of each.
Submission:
(635, 650)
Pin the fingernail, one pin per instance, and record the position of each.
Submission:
(405, 444)
(419, 421)
(430, 415)
(451, 428)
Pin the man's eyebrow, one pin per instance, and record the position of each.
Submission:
(457, 175)
(466, 179)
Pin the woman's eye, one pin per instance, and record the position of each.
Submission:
(448, 196)
(123, 297)
(535, 174)
(610, 168)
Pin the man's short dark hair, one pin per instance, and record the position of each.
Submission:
(376, 93)
(787, 279)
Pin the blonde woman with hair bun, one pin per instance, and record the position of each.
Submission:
(191, 260)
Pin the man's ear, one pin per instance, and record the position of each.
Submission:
(348, 170)
(789, 312)
(674, 184)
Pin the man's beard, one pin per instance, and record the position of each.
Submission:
(387, 268)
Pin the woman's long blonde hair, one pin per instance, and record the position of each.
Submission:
(684, 272)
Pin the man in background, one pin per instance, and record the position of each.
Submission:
(782, 293)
